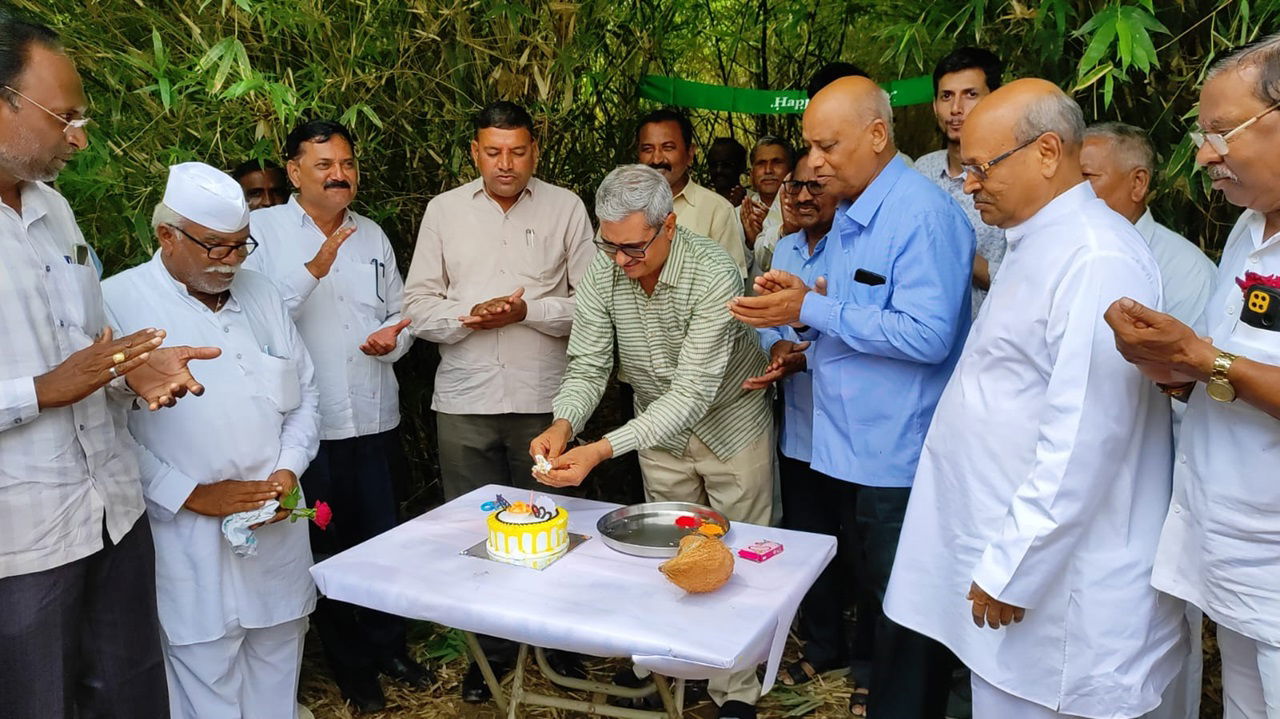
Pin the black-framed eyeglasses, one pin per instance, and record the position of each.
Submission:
(980, 170)
(635, 253)
(220, 252)
(792, 187)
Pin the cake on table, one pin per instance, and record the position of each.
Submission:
(530, 535)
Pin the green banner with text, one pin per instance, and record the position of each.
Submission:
(684, 93)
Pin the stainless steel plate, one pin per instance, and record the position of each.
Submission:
(649, 529)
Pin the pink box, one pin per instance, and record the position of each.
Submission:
(760, 551)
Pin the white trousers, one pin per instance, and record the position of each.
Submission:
(246, 674)
(1250, 677)
(1182, 699)
(990, 702)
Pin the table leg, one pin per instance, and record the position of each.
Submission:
(478, 656)
(517, 684)
(664, 691)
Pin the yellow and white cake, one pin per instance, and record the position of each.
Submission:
(521, 537)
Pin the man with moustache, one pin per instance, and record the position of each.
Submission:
(1222, 531)
(1027, 547)
(658, 291)
(810, 499)
(78, 628)
(885, 335)
(264, 183)
(761, 211)
(337, 273)
(492, 283)
(233, 625)
(664, 141)
(960, 79)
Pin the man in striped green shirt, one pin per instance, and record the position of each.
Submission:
(663, 292)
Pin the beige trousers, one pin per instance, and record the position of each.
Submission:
(740, 488)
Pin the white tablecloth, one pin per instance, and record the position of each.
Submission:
(594, 600)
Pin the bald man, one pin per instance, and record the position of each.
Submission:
(1027, 547)
(886, 332)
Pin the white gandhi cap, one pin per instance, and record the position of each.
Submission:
(206, 196)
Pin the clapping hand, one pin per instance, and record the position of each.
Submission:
(164, 378)
(785, 358)
(497, 312)
(86, 371)
(384, 340)
(779, 297)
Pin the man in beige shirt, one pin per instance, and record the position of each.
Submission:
(664, 141)
(491, 283)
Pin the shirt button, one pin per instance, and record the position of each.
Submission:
(239, 356)
(61, 323)
(82, 428)
(48, 268)
(18, 421)
(340, 298)
(1182, 458)
(1231, 310)
(1253, 260)
(346, 327)
(1177, 509)
(226, 329)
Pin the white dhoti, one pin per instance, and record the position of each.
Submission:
(990, 702)
(1182, 698)
(246, 674)
(1250, 677)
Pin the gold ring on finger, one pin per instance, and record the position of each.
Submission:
(118, 358)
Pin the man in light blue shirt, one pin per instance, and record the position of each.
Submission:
(885, 334)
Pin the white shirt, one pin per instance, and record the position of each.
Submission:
(61, 470)
(1055, 504)
(1220, 548)
(257, 415)
(361, 294)
(1185, 270)
(469, 251)
(770, 232)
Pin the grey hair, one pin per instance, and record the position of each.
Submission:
(1056, 113)
(1263, 55)
(629, 189)
(882, 109)
(1130, 143)
(165, 215)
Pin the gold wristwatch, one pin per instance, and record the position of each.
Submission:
(1219, 387)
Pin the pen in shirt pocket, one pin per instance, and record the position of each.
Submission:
(528, 238)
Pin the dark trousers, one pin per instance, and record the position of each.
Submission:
(910, 673)
(356, 476)
(82, 640)
(480, 449)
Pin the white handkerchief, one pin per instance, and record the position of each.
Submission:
(235, 527)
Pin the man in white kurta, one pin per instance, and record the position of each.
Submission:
(1220, 548)
(1053, 509)
(232, 626)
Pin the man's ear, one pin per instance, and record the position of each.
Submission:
(294, 171)
(1049, 147)
(1139, 185)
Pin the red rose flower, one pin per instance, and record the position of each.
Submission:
(323, 515)
(1253, 278)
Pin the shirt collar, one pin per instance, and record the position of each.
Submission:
(478, 191)
(304, 219)
(1068, 202)
(166, 280)
(671, 269)
(1146, 226)
(689, 193)
(864, 208)
(34, 203)
(801, 244)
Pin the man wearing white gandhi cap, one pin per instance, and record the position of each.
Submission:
(232, 626)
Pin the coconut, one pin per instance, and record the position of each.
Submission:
(702, 564)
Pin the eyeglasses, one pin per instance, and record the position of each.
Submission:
(792, 187)
(220, 252)
(77, 124)
(980, 170)
(1218, 140)
(635, 253)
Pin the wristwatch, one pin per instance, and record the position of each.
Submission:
(1219, 387)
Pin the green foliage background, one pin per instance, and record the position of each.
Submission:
(224, 80)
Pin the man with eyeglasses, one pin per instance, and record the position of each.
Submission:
(1047, 518)
(701, 436)
(1221, 534)
(233, 625)
(337, 272)
(78, 629)
(961, 79)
